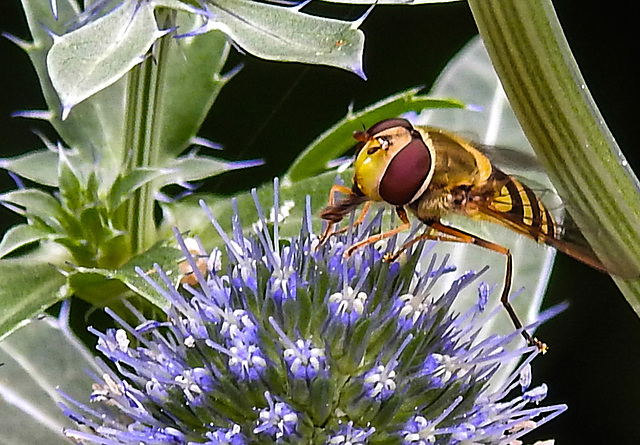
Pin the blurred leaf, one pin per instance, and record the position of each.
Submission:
(338, 139)
(96, 286)
(20, 302)
(39, 166)
(566, 129)
(38, 359)
(19, 236)
(94, 56)
(103, 286)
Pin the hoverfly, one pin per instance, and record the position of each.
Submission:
(433, 173)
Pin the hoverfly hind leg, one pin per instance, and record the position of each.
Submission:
(504, 297)
(390, 257)
(458, 235)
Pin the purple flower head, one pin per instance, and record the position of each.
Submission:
(283, 340)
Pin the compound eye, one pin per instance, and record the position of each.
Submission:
(406, 173)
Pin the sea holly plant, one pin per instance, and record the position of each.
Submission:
(114, 76)
(286, 341)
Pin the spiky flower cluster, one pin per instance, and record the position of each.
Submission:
(287, 342)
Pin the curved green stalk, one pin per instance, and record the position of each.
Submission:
(549, 96)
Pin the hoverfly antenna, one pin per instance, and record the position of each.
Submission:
(361, 135)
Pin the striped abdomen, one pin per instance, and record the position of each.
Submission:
(519, 208)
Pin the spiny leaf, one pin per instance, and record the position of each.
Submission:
(87, 60)
(39, 166)
(34, 203)
(126, 185)
(194, 168)
(286, 34)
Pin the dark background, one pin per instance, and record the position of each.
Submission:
(594, 362)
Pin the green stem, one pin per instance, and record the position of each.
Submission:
(557, 113)
(139, 212)
(144, 98)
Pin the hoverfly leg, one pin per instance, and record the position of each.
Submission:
(327, 232)
(458, 235)
(326, 235)
(427, 235)
(406, 224)
(504, 299)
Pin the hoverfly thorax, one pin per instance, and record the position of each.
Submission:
(394, 163)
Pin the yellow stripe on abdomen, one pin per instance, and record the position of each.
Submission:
(503, 203)
(521, 207)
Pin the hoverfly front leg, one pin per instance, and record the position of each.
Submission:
(336, 188)
(334, 212)
(328, 233)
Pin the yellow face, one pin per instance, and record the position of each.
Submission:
(394, 163)
(374, 157)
